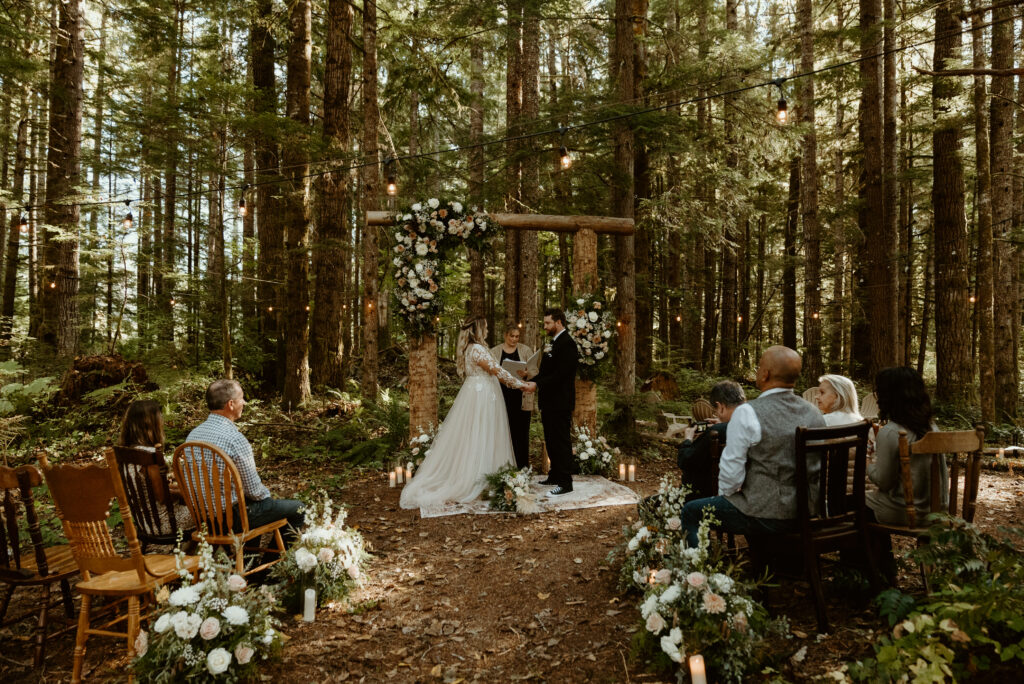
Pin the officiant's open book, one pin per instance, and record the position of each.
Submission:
(531, 365)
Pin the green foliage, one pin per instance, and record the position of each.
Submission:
(17, 397)
(974, 620)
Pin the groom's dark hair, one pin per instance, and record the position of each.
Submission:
(556, 315)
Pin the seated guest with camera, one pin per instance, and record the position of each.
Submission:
(695, 458)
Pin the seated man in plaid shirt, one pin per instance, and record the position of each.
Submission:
(225, 400)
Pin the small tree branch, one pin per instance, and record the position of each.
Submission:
(972, 72)
(964, 16)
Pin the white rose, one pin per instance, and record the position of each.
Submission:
(244, 653)
(422, 249)
(670, 595)
(417, 206)
(396, 261)
(187, 626)
(649, 606)
(433, 202)
(236, 615)
(581, 322)
(163, 623)
(415, 451)
(607, 334)
(580, 302)
(674, 524)
(457, 207)
(398, 236)
(236, 583)
(599, 355)
(592, 316)
(724, 583)
(353, 571)
(210, 628)
(671, 649)
(655, 623)
(268, 637)
(218, 661)
(407, 217)
(305, 560)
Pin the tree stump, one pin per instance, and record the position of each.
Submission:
(422, 383)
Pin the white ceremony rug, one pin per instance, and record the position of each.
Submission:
(588, 491)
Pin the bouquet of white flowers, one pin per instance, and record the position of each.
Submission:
(591, 327)
(509, 490)
(327, 556)
(648, 540)
(418, 447)
(593, 454)
(215, 629)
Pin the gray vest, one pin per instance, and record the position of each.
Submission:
(769, 488)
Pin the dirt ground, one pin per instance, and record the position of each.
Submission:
(496, 598)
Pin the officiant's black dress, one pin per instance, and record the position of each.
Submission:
(518, 419)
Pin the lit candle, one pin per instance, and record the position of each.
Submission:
(408, 468)
(632, 472)
(391, 480)
(697, 670)
(408, 474)
(309, 606)
(622, 472)
(398, 474)
(1001, 452)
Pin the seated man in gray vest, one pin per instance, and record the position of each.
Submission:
(756, 486)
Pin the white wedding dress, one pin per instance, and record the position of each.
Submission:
(472, 442)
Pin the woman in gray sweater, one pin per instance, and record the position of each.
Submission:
(904, 402)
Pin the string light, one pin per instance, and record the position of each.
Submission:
(173, 302)
(53, 285)
(23, 223)
(389, 165)
(242, 209)
(739, 319)
(270, 309)
(782, 113)
(679, 319)
(972, 299)
(814, 315)
(127, 222)
(307, 307)
(564, 158)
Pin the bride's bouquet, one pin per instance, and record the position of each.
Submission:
(594, 456)
(509, 490)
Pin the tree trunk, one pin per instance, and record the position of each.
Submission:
(166, 283)
(14, 236)
(890, 152)
(837, 310)
(642, 172)
(529, 244)
(727, 348)
(513, 191)
(477, 303)
(369, 180)
(330, 253)
(422, 393)
(983, 307)
(789, 265)
(248, 289)
(296, 212)
(1001, 126)
(953, 341)
(813, 366)
(59, 325)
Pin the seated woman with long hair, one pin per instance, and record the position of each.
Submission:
(904, 402)
(837, 400)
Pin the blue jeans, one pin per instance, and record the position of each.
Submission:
(268, 510)
(730, 519)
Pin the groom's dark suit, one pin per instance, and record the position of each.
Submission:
(556, 398)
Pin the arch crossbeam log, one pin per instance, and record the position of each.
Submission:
(548, 222)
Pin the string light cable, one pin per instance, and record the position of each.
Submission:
(567, 128)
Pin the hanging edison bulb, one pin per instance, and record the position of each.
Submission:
(127, 222)
(782, 113)
(23, 222)
(564, 158)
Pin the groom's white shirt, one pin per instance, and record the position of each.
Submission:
(556, 336)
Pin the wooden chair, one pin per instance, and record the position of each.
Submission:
(869, 406)
(964, 446)
(45, 566)
(837, 520)
(702, 410)
(144, 474)
(811, 394)
(210, 485)
(82, 496)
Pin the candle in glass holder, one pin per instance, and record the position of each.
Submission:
(622, 472)
(398, 474)
(309, 606)
(408, 474)
(391, 479)
(632, 472)
(697, 670)
(1001, 453)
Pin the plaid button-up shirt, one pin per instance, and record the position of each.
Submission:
(222, 433)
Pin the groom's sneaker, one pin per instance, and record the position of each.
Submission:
(560, 489)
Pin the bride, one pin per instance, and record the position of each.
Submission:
(474, 440)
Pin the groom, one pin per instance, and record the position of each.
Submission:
(556, 398)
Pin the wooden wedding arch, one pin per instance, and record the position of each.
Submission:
(423, 350)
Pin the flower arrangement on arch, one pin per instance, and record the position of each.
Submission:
(327, 556)
(218, 628)
(594, 456)
(508, 490)
(591, 326)
(427, 230)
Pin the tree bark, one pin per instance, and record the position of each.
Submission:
(789, 265)
(953, 343)
(330, 252)
(513, 190)
(370, 187)
(477, 303)
(296, 212)
(529, 244)
(59, 325)
(890, 168)
(14, 236)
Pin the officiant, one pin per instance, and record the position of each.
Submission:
(518, 405)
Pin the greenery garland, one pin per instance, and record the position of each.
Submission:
(428, 232)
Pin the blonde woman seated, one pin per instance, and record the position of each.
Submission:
(837, 400)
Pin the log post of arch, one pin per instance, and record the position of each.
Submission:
(423, 350)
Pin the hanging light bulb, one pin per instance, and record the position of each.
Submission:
(242, 209)
(564, 158)
(23, 223)
(814, 315)
(127, 222)
(392, 187)
(53, 285)
(972, 299)
(173, 302)
(782, 112)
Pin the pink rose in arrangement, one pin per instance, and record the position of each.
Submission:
(663, 576)
(236, 583)
(244, 653)
(696, 580)
(141, 643)
(210, 628)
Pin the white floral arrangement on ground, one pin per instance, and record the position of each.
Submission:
(591, 326)
(428, 230)
(327, 556)
(217, 629)
(650, 538)
(594, 456)
(418, 447)
(508, 490)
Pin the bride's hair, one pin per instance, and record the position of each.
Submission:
(472, 332)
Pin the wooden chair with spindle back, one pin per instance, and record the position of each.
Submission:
(811, 394)
(963, 446)
(43, 567)
(869, 406)
(144, 474)
(702, 410)
(82, 495)
(212, 489)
